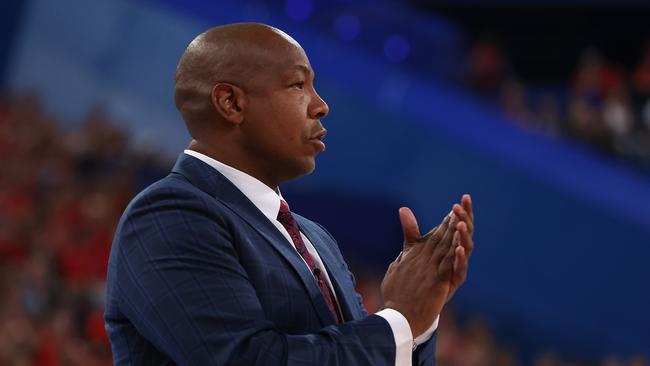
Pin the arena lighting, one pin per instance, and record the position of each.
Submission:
(347, 27)
(298, 9)
(396, 48)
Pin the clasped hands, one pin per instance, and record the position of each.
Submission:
(430, 268)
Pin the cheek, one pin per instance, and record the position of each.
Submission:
(293, 114)
(293, 121)
(282, 120)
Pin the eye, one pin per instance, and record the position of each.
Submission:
(298, 85)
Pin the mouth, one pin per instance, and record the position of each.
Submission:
(319, 135)
(317, 138)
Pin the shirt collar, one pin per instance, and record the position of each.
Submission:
(261, 195)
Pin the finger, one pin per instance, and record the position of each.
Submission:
(426, 236)
(399, 257)
(435, 243)
(460, 266)
(449, 254)
(445, 269)
(441, 248)
(412, 251)
(436, 234)
(465, 238)
(467, 205)
(464, 216)
(409, 226)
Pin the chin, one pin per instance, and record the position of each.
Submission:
(305, 167)
(311, 166)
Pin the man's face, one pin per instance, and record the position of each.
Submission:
(282, 119)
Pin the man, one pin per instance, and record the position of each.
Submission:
(210, 267)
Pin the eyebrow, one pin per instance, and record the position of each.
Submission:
(304, 69)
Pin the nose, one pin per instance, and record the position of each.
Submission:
(319, 108)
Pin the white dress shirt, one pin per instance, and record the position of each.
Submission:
(268, 202)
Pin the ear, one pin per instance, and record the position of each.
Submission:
(229, 101)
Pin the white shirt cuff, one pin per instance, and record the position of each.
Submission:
(402, 335)
(427, 333)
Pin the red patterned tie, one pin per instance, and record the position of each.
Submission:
(286, 219)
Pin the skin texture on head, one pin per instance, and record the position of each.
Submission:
(247, 96)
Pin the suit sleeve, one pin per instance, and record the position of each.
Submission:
(425, 354)
(180, 283)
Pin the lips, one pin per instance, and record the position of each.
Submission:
(317, 138)
(319, 135)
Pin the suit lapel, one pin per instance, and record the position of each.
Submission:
(340, 278)
(214, 183)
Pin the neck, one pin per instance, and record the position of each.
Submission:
(215, 151)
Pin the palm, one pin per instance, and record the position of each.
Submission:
(452, 268)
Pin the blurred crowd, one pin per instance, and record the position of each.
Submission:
(469, 340)
(61, 195)
(604, 105)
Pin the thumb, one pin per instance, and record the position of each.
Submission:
(409, 226)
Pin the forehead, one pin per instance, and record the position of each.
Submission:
(290, 57)
(276, 56)
(285, 53)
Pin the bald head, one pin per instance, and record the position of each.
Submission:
(246, 92)
(238, 54)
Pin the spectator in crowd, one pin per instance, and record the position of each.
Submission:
(606, 106)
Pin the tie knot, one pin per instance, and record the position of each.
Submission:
(284, 207)
(284, 216)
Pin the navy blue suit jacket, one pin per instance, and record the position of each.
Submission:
(199, 276)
